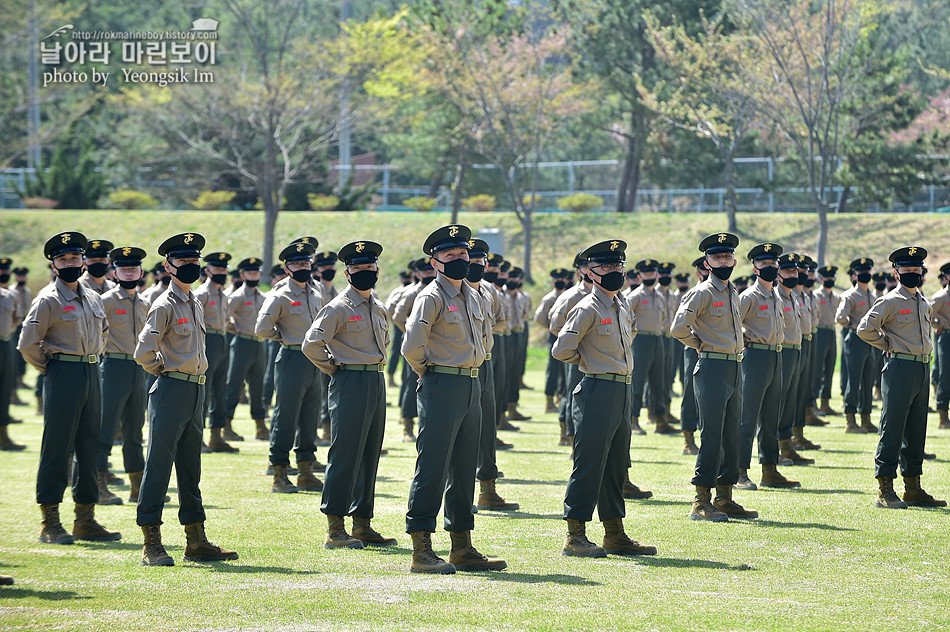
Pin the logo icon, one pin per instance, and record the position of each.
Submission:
(722, 237)
(360, 246)
(453, 231)
(66, 238)
(204, 24)
(95, 245)
(614, 245)
(223, 256)
(59, 31)
(299, 247)
(126, 251)
(188, 238)
(912, 251)
(768, 247)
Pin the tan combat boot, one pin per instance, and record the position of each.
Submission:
(812, 418)
(465, 557)
(424, 559)
(514, 415)
(112, 479)
(786, 450)
(9, 445)
(635, 428)
(549, 406)
(501, 445)
(915, 496)
(154, 553)
(199, 549)
(799, 442)
(689, 446)
(826, 409)
(306, 481)
(228, 434)
(106, 497)
(53, 531)
(944, 419)
(337, 537)
(327, 432)
(669, 418)
(663, 426)
(563, 439)
(86, 528)
(703, 508)
(744, 482)
(217, 443)
(577, 544)
(877, 393)
(366, 534)
(616, 541)
(282, 484)
(852, 424)
(135, 486)
(261, 433)
(731, 508)
(772, 478)
(488, 498)
(866, 424)
(391, 381)
(886, 497)
(632, 492)
(407, 435)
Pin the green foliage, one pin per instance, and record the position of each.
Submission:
(420, 204)
(323, 202)
(580, 202)
(213, 200)
(481, 203)
(354, 198)
(132, 200)
(72, 178)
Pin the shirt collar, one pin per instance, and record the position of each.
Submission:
(66, 292)
(602, 296)
(447, 287)
(175, 290)
(718, 283)
(353, 296)
(903, 293)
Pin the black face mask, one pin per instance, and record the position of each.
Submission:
(723, 274)
(456, 269)
(188, 273)
(165, 280)
(682, 288)
(475, 272)
(490, 276)
(612, 281)
(560, 285)
(665, 280)
(911, 279)
(828, 283)
(649, 282)
(427, 280)
(5, 278)
(864, 277)
(328, 274)
(880, 286)
(768, 273)
(69, 275)
(790, 283)
(140, 282)
(98, 270)
(587, 278)
(20, 283)
(809, 283)
(128, 285)
(300, 276)
(220, 279)
(499, 283)
(802, 278)
(250, 283)
(364, 279)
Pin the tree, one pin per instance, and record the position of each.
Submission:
(72, 179)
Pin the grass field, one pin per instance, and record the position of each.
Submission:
(818, 558)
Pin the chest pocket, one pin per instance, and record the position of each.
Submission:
(906, 318)
(356, 326)
(71, 315)
(608, 338)
(766, 313)
(184, 329)
(297, 309)
(717, 311)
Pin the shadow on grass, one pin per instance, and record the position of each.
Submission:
(237, 567)
(551, 578)
(519, 514)
(830, 451)
(517, 450)
(839, 467)
(657, 501)
(19, 592)
(673, 562)
(800, 525)
(525, 481)
(123, 545)
(832, 491)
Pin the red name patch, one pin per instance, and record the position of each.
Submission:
(356, 318)
(120, 311)
(295, 303)
(787, 309)
(718, 304)
(644, 302)
(606, 321)
(69, 308)
(823, 302)
(761, 307)
(248, 302)
(453, 308)
(905, 311)
(182, 321)
(861, 303)
(212, 302)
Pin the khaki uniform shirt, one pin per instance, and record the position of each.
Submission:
(708, 318)
(564, 304)
(940, 310)
(791, 316)
(827, 306)
(288, 312)
(126, 316)
(649, 308)
(348, 330)
(243, 306)
(393, 299)
(406, 301)
(854, 304)
(24, 298)
(498, 314)
(804, 310)
(547, 302)
(761, 312)
(63, 321)
(97, 287)
(445, 328)
(150, 294)
(10, 314)
(598, 334)
(899, 322)
(491, 308)
(173, 338)
(671, 302)
(214, 304)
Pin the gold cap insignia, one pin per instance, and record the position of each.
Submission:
(360, 246)
(614, 245)
(188, 238)
(471, 243)
(453, 231)
(299, 247)
(126, 251)
(305, 240)
(222, 256)
(722, 237)
(912, 251)
(95, 245)
(768, 247)
(66, 238)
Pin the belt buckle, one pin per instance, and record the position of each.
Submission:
(90, 359)
(474, 373)
(380, 367)
(201, 379)
(628, 379)
(779, 349)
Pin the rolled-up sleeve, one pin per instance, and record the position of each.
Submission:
(147, 353)
(321, 332)
(424, 311)
(871, 327)
(684, 318)
(577, 325)
(266, 324)
(31, 336)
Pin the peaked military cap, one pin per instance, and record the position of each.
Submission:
(277, 270)
(99, 248)
(182, 246)
(5, 263)
(235, 274)
(879, 276)
(404, 275)
(504, 266)
(251, 263)
(516, 272)
(127, 257)
(307, 240)
(219, 259)
(300, 251)
(944, 269)
(495, 259)
(578, 261)
(863, 263)
(22, 270)
(632, 274)
(827, 271)
(698, 262)
(789, 260)
(477, 248)
(609, 251)
(560, 273)
(741, 281)
(63, 243)
(423, 263)
(908, 256)
(764, 251)
(666, 267)
(646, 265)
(446, 238)
(810, 263)
(682, 277)
(360, 252)
(325, 258)
(718, 243)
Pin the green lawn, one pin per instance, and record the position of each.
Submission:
(819, 558)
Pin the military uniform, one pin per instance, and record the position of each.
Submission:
(517, 348)
(899, 323)
(689, 415)
(171, 346)
(94, 277)
(405, 278)
(558, 316)
(10, 319)
(124, 394)
(407, 398)
(554, 371)
(286, 315)
(941, 324)
(444, 344)
(597, 336)
(804, 410)
(277, 274)
(62, 338)
(247, 355)
(708, 320)
(24, 300)
(670, 344)
(826, 349)
(857, 356)
(649, 307)
(496, 276)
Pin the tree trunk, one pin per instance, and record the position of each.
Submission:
(270, 223)
(269, 198)
(436, 182)
(528, 215)
(457, 190)
(843, 203)
(731, 198)
(624, 188)
(633, 187)
(822, 233)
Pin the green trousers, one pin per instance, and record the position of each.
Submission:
(246, 363)
(718, 388)
(124, 398)
(905, 388)
(486, 468)
(761, 405)
(300, 393)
